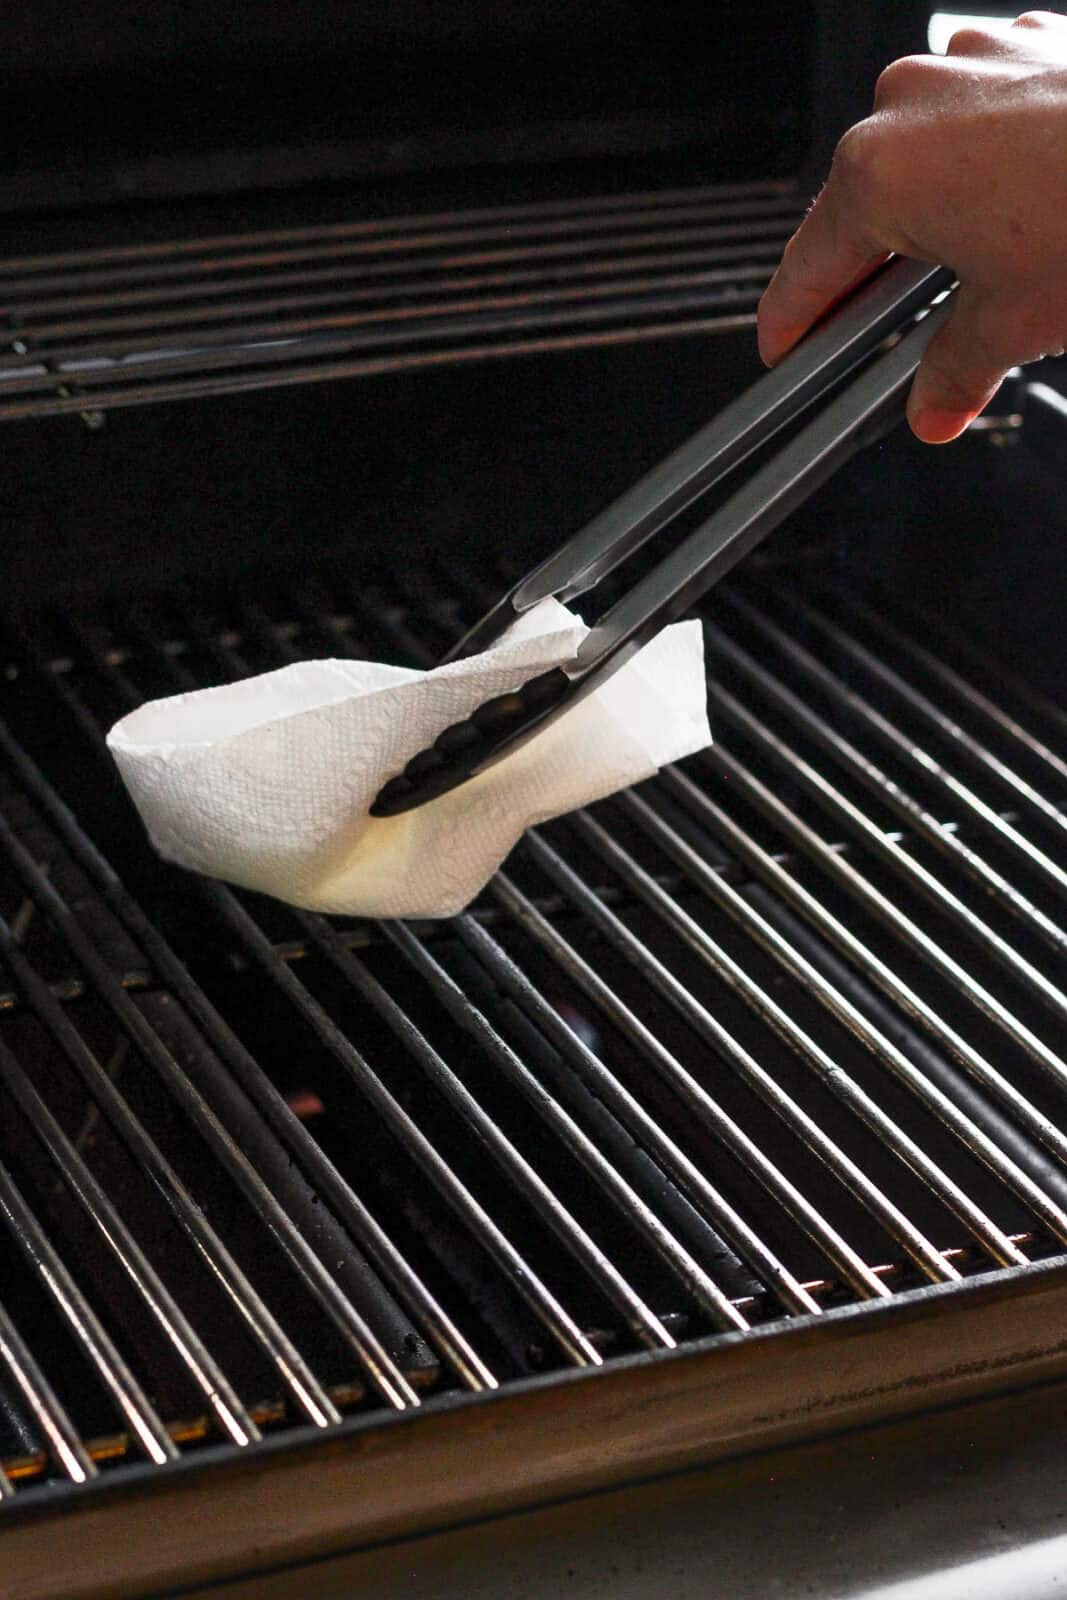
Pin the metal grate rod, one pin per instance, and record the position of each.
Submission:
(540, 1299)
(93, 373)
(576, 1239)
(79, 355)
(731, 264)
(713, 1033)
(574, 235)
(133, 387)
(878, 1044)
(344, 1202)
(295, 1375)
(370, 227)
(574, 1139)
(915, 755)
(610, 1092)
(835, 1078)
(975, 701)
(89, 1332)
(208, 1378)
(841, 937)
(57, 1429)
(886, 910)
(544, 1202)
(380, 1366)
(694, 1097)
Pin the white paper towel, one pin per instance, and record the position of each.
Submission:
(268, 782)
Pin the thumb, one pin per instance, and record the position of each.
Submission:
(959, 374)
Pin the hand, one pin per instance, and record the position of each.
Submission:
(962, 162)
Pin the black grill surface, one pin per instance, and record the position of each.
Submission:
(780, 1031)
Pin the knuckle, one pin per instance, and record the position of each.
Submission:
(972, 42)
(863, 166)
(900, 79)
(855, 156)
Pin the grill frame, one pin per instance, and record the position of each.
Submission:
(369, 1480)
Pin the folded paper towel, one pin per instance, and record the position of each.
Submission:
(268, 782)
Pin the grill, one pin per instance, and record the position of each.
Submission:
(770, 1050)
(91, 330)
(731, 1114)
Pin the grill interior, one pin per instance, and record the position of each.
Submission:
(92, 330)
(781, 1031)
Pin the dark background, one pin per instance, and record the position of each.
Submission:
(167, 119)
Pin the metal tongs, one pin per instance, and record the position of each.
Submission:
(883, 319)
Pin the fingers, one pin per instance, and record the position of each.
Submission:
(1040, 32)
(1052, 20)
(829, 253)
(960, 373)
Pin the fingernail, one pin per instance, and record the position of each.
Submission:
(939, 427)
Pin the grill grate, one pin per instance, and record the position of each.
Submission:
(768, 1037)
(93, 330)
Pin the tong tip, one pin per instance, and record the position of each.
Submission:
(464, 748)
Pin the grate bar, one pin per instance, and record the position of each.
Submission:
(369, 227)
(573, 235)
(1037, 703)
(544, 1304)
(57, 1429)
(384, 1373)
(925, 1255)
(841, 937)
(696, 1099)
(613, 1094)
(884, 909)
(966, 691)
(343, 1200)
(712, 1032)
(891, 794)
(541, 1300)
(576, 1239)
(294, 1373)
(474, 1022)
(133, 1404)
(101, 329)
(877, 1043)
(194, 304)
(905, 865)
(134, 389)
(546, 1204)
(916, 755)
(215, 1388)
(450, 327)
(438, 315)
